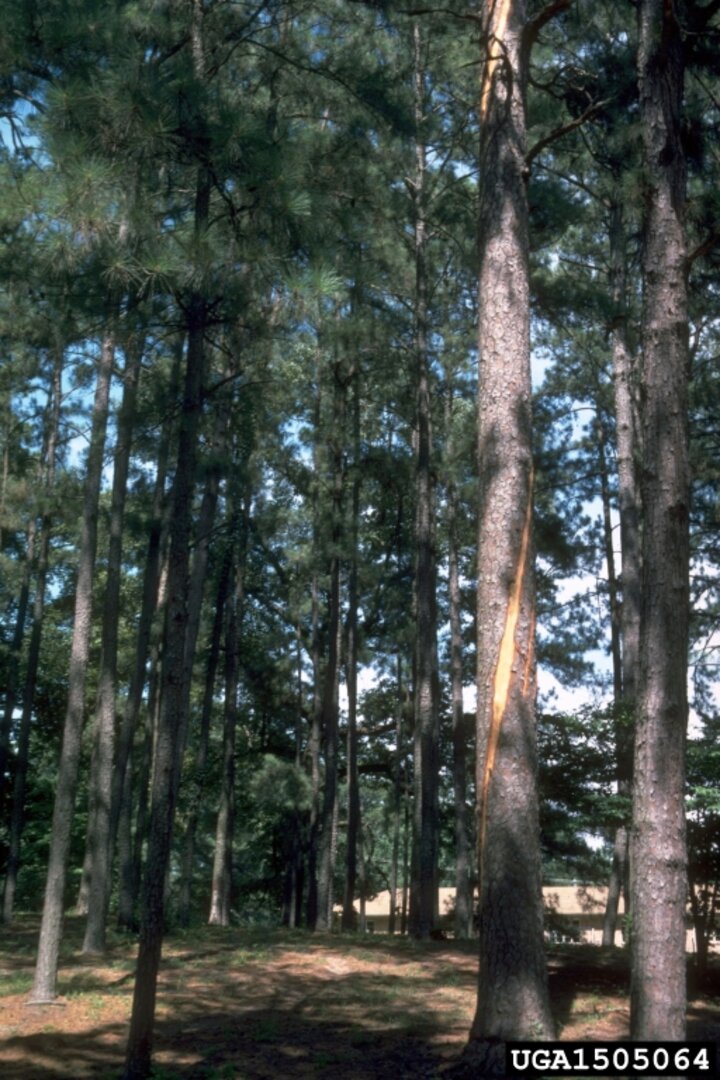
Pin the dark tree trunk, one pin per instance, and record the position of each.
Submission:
(423, 898)
(512, 991)
(45, 981)
(173, 698)
(353, 790)
(397, 796)
(463, 890)
(17, 813)
(659, 860)
(222, 862)
(330, 708)
(98, 850)
(200, 780)
(121, 805)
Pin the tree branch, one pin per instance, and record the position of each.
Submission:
(564, 129)
(534, 26)
(703, 249)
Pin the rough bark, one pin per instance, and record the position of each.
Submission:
(397, 794)
(45, 981)
(659, 860)
(512, 991)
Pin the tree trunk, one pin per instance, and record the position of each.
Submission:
(121, 807)
(349, 920)
(423, 899)
(659, 860)
(222, 862)
(200, 780)
(173, 696)
(45, 981)
(397, 795)
(512, 992)
(98, 840)
(17, 813)
(463, 891)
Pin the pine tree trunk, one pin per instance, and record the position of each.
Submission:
(628, 453)
(222, 863)
(17, 813)
(397, 796)
(463, 891)
(353, 790)
(423, 899)
(121, 805)
(98, 841)
(512, 991)
(173, 694)
(45, 981)
(659, 859)
(200, 780)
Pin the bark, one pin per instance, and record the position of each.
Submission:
(423, 899)
(17, 813)
(171, 721)
(659, 859)
(98, 849)
(45, 980)
(512, 992)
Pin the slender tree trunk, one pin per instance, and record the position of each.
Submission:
(423, 899)
(628, 456)
(397, 794)
(121, 803)
(512, 991)
(463, 890)
(17, 813)
(353, 790)
(98, 849)
(185, 893)
(45, 981)
(330, 708)
(222, 863)
(619, 863)
(13, 660)
(659, 860)
(173, 696)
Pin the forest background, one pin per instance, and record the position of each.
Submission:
(239, 269)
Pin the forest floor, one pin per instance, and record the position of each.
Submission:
(260, 1004)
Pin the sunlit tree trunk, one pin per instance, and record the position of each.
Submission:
(659, 860)
(45, 981)
(512, 998)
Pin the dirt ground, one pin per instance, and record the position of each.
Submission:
(253, 1005)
